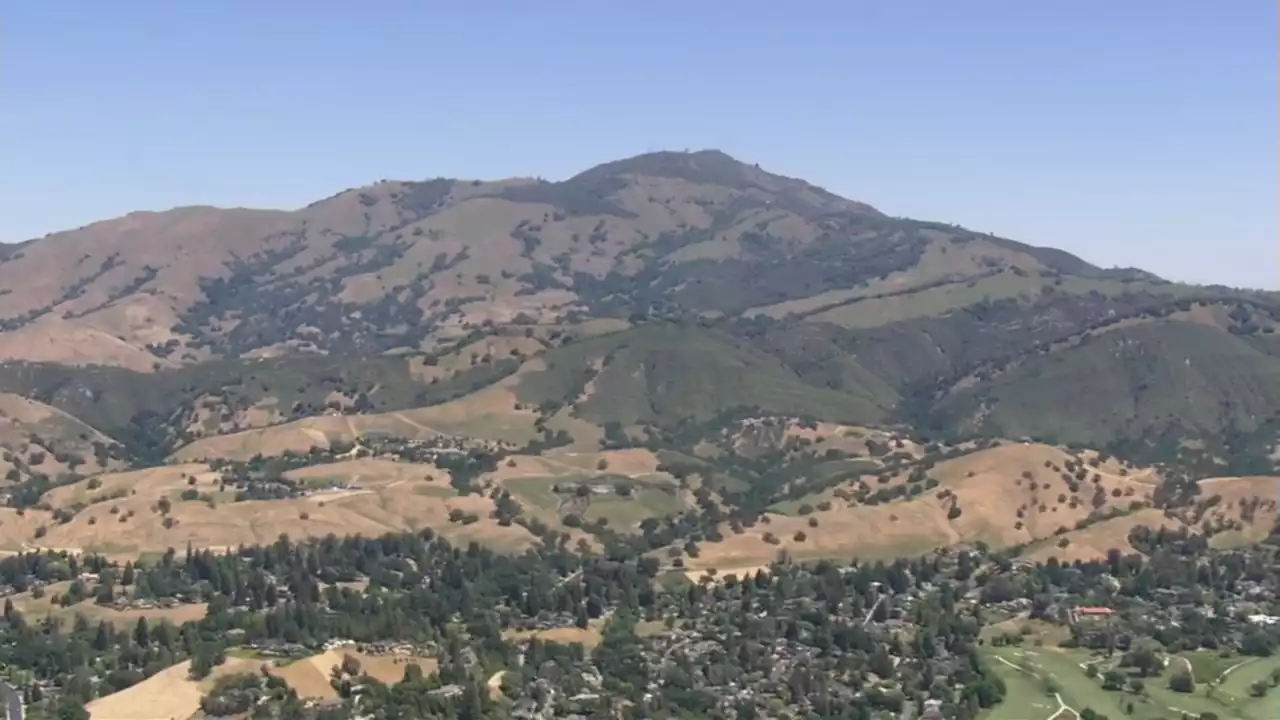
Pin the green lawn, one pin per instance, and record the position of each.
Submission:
(1236, 687)
(1026, 698)
(1208, 665)
(536, 491)
(627, 512)
(648, 499)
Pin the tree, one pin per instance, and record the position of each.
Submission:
(1182, 682)
(350, 665)
(141, 633)
(1112, 680)
(1257, 643)
(1144, 659)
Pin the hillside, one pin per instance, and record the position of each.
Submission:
(655, 353)
(916, 320)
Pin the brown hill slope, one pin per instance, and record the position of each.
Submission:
(386, 265)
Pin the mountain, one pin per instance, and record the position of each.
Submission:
(828, 304)
(659, 318)
(398, 263)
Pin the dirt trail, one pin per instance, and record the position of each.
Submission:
(414, 423)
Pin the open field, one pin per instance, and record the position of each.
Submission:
(310, 676)
(588, 637)
(1031, 672)
(168, 695)
(531, 479)
(386, 496)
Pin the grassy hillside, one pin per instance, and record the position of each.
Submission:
(1127, 383)
(665, 373)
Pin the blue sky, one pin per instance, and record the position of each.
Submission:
(1141, 132)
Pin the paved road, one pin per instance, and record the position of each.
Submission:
(12, 702)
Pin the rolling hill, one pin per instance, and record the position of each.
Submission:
(657, 304)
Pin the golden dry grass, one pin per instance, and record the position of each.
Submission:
(1095, 541)
(185, 244)
(589, 637)
(21, 419)
(631, 462)
(392, 497)
(47, 606)
(168, 695)
(988, 487)
(310, 677)
(1235, 491)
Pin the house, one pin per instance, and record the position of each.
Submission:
(1076, 615)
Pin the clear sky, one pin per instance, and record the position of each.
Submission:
(1131, 132)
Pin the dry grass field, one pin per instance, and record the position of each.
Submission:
(1095, 541)
(588, 637)
(23, 419)
(47, 606)
(998, 505)
(310, 677)
(170, 694)
(386, 497)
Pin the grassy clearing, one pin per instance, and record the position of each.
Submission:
(536, 491)
(588, 637)
(627, 512)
